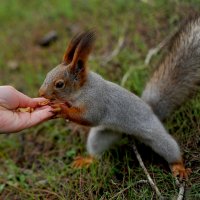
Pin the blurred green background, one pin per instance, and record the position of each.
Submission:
(36, 163)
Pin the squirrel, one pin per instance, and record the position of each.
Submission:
(86, 98)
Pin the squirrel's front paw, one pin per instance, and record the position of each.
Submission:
(178, 170)
(57, 110)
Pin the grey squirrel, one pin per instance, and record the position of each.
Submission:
(84, 97)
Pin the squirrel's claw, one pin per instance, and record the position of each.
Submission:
(82, 162)
(179, 170)
(59, 110)
(56, 110)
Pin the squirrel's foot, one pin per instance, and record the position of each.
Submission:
(83, 162)
(27, 109)
(179, 170)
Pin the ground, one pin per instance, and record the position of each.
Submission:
(36, 163)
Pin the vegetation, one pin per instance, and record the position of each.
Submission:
(36, 163)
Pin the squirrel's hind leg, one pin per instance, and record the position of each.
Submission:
(101, 139)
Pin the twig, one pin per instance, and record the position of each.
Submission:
(181, 189)
(120, 192)
(126, 76)
(115, 52)
(141, 182)
(128, 73)
(156, 49)
(153, 185)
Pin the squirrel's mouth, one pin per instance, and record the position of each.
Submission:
(58, 101)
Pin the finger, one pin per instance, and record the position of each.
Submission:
(27, 120)
(40, 115)
(41, 101)
(17, 121)
(42, 107)
(25, 101)
(15, 98)
(9, 97)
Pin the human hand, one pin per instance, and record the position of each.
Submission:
(13, 121)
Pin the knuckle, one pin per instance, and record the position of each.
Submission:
(11, 88)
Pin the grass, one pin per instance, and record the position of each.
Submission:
(36, 163)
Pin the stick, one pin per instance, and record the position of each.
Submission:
(156, 49)
(120, 192)
(125, 77)
(153, 185)
(181, 189)
(115, 52)
(128, 73)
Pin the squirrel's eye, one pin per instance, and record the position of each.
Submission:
(59, 84)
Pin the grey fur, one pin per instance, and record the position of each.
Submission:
(115, 108)
(100, 139)
(178, 76)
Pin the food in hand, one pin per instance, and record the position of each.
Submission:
(44, 103)
(27, 109)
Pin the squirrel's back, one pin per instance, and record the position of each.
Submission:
(178, 75)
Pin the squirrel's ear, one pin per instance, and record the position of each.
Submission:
(82, 51)
(69, 53)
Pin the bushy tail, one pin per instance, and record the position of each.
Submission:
(178, 76)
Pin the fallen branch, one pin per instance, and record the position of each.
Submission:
(156, 49)
(128, 73)
(125, 77)
(115, 52)
(181, 189)
(120, 192)
(153, 185)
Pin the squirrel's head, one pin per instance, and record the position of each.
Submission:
(66, 79)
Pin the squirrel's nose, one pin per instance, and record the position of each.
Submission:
(41, 93)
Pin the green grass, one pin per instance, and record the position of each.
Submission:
(36, 163)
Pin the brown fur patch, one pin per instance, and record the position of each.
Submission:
(81, 55)
(75, 114)
(69, 53)
(178, 169)
(84, 48)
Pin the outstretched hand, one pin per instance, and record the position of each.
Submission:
(13, 121)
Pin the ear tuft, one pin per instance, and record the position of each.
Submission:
(84, 48)
(87, 41)
(69, 53)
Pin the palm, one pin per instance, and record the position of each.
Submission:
(12, 121)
